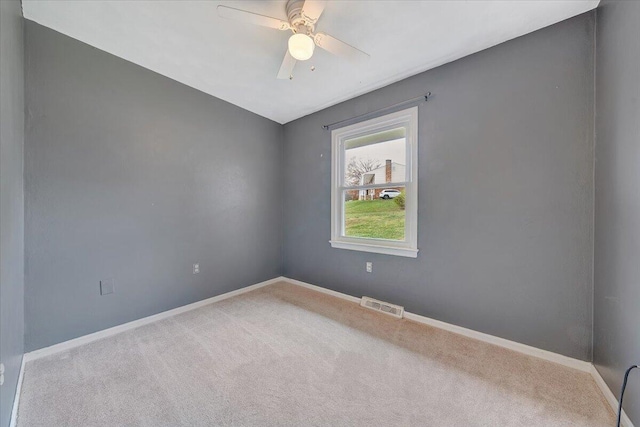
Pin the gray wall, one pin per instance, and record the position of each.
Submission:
(617, 201)
(505, 194)
(132, 176)
(11, 201)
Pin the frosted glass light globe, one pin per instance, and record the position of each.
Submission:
(301, 46)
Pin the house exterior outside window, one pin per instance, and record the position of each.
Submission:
(389, 173)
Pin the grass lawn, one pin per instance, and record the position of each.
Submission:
(378, 219)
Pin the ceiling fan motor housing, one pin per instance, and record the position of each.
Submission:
(300, 24)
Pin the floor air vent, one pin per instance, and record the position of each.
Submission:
(383, 307)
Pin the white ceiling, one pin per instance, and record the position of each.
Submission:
(188, 42)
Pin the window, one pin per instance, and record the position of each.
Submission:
(374, 194)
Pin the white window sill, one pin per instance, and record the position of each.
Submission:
(386, 250)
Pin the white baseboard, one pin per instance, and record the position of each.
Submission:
(16, 399)
(85, 339)
(570, 362)
(322, 290)
(512, 345)
(625, 421)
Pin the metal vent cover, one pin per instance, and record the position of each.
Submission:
(382, 307)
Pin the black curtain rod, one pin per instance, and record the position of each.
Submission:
(422, 98)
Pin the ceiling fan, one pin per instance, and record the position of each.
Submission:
(302, 18)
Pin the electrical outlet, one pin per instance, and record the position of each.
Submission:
(106, 287)
(369, 267)
(196, 268)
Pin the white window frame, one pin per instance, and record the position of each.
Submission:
(408, 119)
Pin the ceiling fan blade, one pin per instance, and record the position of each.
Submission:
(312, 9)
(286, 69)
(252, 18)
(340, 48)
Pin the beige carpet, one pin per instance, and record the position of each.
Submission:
(287, 356)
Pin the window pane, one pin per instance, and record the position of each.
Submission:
(375, 213)
(376, 158)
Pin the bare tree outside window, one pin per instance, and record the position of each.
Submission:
(357, 167)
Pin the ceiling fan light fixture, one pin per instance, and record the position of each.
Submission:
(301, 46)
